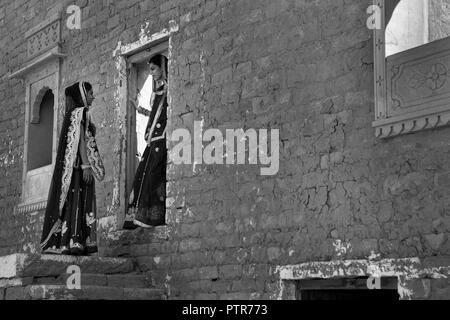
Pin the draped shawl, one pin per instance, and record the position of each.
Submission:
(65, 160)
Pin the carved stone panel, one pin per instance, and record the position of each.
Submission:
(419, 79)
(37, 185)
(44, 39)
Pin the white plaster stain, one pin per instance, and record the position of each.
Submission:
(200, 138)
(404, 292)
(167, 284)
(341, 247)
(145, 38)
(189, 213)
(186, 18)
(30, 248)
(8, 158)
(117, 50)
(373, 255)
(170, 201)
(108, 227)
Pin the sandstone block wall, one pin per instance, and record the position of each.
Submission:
(304, 67)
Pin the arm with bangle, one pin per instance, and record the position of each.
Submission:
(140, 109)
(143, 111)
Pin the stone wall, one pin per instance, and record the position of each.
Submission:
(304, 67)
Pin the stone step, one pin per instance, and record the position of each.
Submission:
(36, 265)
(114, 280)
(60, 292)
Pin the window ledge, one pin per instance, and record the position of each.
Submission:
(111, 228)
(413, 122)
(50, 55)
(159, 233)
(32, 206)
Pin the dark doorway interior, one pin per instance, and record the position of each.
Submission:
(361, 295)
(347, 289)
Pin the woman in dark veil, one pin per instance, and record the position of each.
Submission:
(69, 223)
(147, 202)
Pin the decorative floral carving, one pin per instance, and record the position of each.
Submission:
(380, 81)
(44, 39)
(379, 44)
(395, 70)
(434, 79)
(396, 103)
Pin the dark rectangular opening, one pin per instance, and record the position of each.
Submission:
(348, 289)
(141, 116)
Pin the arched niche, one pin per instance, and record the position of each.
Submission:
(36, 107)
(40, 131)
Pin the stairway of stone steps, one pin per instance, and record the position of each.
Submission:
(46, 277)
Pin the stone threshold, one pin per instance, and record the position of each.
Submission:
(59, 292)
(36, 265)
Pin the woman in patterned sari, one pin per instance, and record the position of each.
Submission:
(70, 217)
(147, 202)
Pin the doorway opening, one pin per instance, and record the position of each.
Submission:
(140, 95)
(348, 289)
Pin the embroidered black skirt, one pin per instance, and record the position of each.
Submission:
(147, 202)
(78, 217)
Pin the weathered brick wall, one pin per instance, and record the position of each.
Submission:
(304, 67)
(11, 129)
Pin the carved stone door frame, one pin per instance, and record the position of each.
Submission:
(124, 56)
